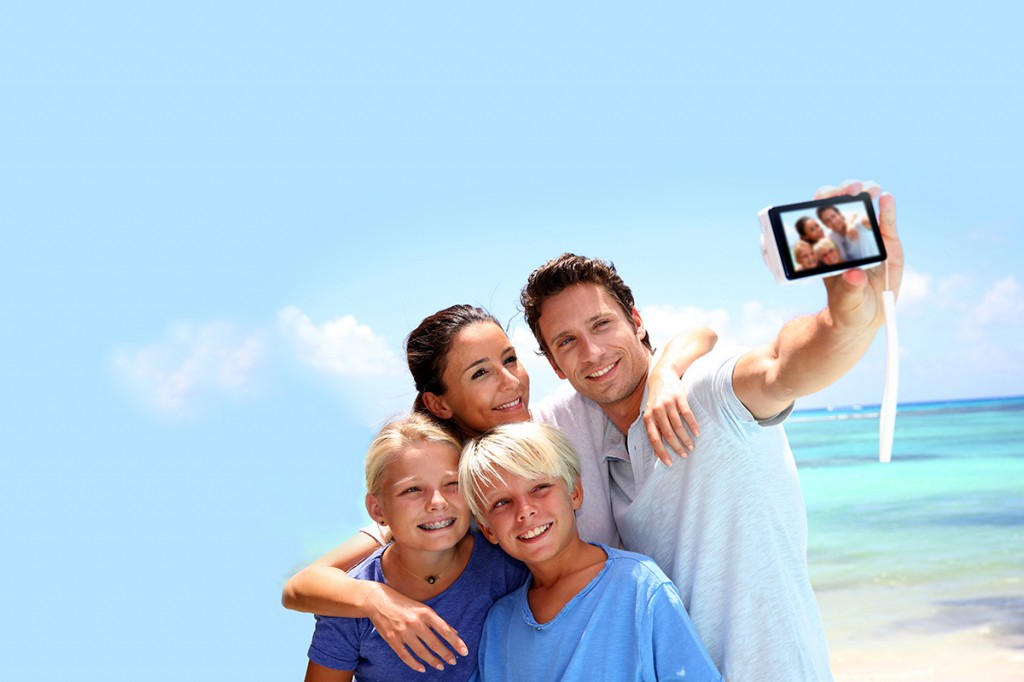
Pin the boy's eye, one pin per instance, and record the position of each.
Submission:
(413, 489)
(499, 503)
(452, 484)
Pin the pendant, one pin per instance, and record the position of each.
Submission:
(432, 579)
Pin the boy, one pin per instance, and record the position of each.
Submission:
(587, 609)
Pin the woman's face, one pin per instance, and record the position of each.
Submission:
(419, 498)
(487, 385)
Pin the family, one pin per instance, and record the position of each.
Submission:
(595, 554)
(850, 238)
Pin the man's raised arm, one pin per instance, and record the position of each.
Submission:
(812, 352)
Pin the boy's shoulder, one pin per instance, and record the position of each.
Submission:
(638, 568)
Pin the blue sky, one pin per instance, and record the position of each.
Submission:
(220, 221)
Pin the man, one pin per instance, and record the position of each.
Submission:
(727, 524)
(852, 233)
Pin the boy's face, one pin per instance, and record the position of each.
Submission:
(532, 520)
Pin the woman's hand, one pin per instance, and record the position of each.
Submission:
(410, 628)
(667, 415)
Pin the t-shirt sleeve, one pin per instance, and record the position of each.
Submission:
(677, 651)
(335, 643)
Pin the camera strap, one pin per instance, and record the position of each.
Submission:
(887, 414)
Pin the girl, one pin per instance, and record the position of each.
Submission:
(412, 490)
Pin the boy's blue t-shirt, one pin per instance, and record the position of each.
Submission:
(354, 644)
(628, 623)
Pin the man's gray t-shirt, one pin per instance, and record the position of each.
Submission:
(727, 525)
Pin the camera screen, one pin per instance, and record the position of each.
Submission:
(827, 235)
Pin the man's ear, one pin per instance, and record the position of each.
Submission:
(437, 405)
(577, 495)
(561, 375)
(375, 510)
(487, 532)
(638, 322)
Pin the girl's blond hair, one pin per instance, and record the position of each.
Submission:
(394, 438)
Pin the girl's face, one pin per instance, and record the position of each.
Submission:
(805, 256)
(487, 385)
(419, 498)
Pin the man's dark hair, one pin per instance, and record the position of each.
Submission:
(822, 209)
(557, 275)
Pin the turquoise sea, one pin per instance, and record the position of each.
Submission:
(929, 545)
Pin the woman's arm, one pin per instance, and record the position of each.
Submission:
(405, 624)
(667, 414)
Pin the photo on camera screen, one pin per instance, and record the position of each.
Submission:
(827, 235)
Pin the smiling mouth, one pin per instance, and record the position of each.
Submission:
(534, 533)
(509, 405)
(437, 525)
(601, 372)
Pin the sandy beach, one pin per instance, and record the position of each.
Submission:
(967, 655)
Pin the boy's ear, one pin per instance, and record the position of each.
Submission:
(375, 510)
(487, 533)
(577, 495)
(437, 405)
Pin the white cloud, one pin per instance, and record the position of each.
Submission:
(341, 347)
(1001, 306)
(362, 367)
(916, 288)
(755, 324)
(191, 362)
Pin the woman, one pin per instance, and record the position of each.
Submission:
(468, 376)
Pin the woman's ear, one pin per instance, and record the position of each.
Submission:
(375, 510)
(437, 405)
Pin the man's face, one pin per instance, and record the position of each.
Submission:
(593, 344)
(834, 220)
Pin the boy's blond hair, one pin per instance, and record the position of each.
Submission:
(525, 449)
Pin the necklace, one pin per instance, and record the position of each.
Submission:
(431, 579)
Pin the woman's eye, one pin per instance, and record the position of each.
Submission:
(479, 373)
(511, 360)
